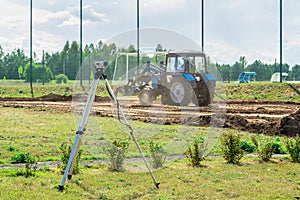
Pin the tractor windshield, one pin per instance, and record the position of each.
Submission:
(175, 64)
(195, 64)
(186, 63)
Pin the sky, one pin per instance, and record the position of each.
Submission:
(232, 28)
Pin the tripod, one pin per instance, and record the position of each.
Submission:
(98, 74)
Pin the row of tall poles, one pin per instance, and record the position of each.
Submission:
(138, 38)
(280, 36)
(30, 48)
(30, 41)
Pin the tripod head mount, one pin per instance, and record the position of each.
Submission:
(99, 68)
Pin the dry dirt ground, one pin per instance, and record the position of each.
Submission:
(257, 116)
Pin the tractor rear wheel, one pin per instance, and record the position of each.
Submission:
(204, 93)
(179, 93)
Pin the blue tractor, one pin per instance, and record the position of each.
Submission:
(181, 80)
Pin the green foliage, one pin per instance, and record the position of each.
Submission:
(278, 146)
(264, 147)
(116, 152)
(295, 75)
(29, 170)
(247, 146)
(22, 158)
(10, 63)
(65, 154)
(293, 148)
(39, 73)
(231, 148)
(61, 78)
(66, 62)
(196, 153)
(158, 155)
(263, 90)
(11, 149)
(21, 72)
(28, 160)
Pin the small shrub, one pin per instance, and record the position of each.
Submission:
(61, 78)
(28, 160)
(11, 148)
(65, 154)
(278, 148)
(197, 152)
(247, 146)
(293, 148)
(116, 152)
(158, 155)
(263, 147)
(231, 148)
(22, 158)
(30, 168)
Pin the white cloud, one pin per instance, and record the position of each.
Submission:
(165, 7)
(43, 16)
(222, 52)
(90, 16)
(71, 21)
(46, 41)
(233, 28)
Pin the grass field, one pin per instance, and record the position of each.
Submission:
(254, 90)
(216, 180)
(41, 132)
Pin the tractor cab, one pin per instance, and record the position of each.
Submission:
(187, 62)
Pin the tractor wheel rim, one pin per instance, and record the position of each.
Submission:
(145, 97)
(177, 92)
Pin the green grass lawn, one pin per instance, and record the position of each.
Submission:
(215, 180)
(41, 132)
(11, 88)
(263, 91)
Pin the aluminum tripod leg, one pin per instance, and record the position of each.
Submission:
(80, 131)
(131, 133)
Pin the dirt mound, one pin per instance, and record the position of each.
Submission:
(290, 125)
(55, 97)
(83, 98)
(255, 125)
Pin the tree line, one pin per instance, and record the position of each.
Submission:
(264, 71)
(15, 65)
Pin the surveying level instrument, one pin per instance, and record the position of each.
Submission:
(98, 74)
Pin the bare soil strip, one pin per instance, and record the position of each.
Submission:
(263, 117)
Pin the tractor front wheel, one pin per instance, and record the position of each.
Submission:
(146, 96)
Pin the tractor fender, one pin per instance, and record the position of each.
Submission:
(208, 77)
(191, 79)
